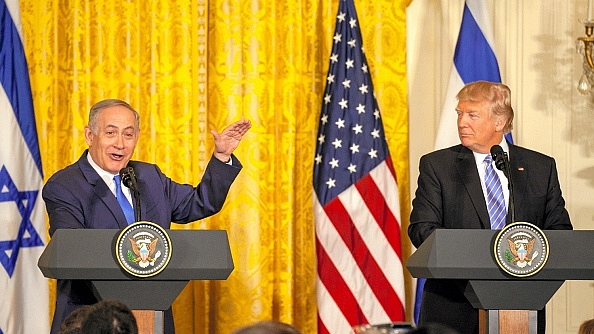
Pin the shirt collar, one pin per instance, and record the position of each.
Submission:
(480, 157)
(106, 176)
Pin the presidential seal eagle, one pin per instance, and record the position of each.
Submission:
(144, 250)
(522, 251)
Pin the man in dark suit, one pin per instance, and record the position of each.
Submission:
(82, 195)
(451, 193)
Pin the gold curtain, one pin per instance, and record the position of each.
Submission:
(189, 66)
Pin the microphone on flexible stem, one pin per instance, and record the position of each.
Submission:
(128, 177)
(502, 163)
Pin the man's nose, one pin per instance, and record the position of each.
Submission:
(119, 142)
(462, 122)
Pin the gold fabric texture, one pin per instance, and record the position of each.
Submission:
(189, 66)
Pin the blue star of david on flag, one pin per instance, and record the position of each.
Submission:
(26, 236)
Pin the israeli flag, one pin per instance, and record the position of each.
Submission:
(24, 291)
(474, 60)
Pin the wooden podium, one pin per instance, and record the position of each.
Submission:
(89, 254)
(506, 304)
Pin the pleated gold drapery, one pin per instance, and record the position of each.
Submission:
(189, 66)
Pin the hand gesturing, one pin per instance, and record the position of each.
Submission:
(227, 141)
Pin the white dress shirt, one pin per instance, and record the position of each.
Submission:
(481, 165)
(107, 177)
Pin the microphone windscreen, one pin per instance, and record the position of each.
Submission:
(126, 174)
(496, 150)
(498, 156)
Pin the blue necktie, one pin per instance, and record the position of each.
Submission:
(495, 199)
(126, 206)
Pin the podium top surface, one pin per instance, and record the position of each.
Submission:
(468, 254)
(90, 254)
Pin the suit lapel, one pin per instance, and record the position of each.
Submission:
(146, 201)
(519, 177)
(468, 173)
(102, 191)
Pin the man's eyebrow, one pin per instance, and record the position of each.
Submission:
(112, 126)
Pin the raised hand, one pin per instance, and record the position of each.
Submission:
(227, 141)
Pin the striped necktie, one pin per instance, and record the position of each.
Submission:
(124, 203)
(495, 199)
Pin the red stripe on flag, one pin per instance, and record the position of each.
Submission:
(337, 288)
(390, 165)
(377, 281)
(321, 327)
(381, 212)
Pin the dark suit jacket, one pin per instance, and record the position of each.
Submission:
(77, 197)
(449, 195)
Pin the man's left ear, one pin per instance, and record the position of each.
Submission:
(499, 124)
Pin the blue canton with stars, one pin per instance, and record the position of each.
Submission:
(351, 140)
(27, 236)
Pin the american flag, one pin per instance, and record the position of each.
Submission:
(357, 213)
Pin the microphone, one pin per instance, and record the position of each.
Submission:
(502, 163)
(500, 158)
(128, 177)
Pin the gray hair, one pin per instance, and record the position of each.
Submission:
(99, 106)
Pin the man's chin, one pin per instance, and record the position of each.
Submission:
(466, 142)
(116, 169)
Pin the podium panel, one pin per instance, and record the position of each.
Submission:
(468, 255)
(522, 295)
(89, 254)
(140, 295)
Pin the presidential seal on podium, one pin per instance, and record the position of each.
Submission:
(143, 249)
(521, 249)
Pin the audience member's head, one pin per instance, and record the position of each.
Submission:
(109, 317)
(73, 322)
(433, 328)
(587, 327)
(267, 327)
(396, 327)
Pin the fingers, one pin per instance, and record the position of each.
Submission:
(235, 130)
(241, 126)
